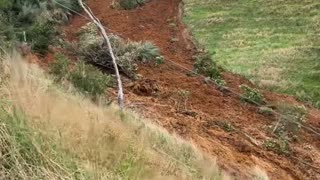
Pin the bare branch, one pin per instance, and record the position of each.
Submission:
(106, 38)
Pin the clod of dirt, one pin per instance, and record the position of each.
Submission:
(145, 87)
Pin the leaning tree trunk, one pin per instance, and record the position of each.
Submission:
(106, 38)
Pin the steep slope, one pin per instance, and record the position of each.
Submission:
(234, 150)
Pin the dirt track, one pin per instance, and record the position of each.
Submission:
(158, 21)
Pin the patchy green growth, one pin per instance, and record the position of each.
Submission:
(206, 66)
(60, 67)
(252, 95)
(149, 51)
(89, 80)
(279, 146)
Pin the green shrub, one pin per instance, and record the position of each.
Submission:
(149, 52)
(60, 67)
(89, 80)
(5, 4)
(279, 146)
(130, 4)
(206, 66)
(41, 35)
(251, 95)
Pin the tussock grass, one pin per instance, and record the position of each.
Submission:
(273, 43)
(68, 136)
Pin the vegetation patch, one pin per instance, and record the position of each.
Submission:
(85, 77)
(32, 22)
(279, 146)
(89, 79)
(92, 49)
(205, 65)
(252, 95)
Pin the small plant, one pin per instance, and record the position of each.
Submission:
(149, 52)
(130, 4)
(41, 35)
(280, 146)
(206, 66)
(226, 126)
(60, 67)
(251, 95)
(89, 80)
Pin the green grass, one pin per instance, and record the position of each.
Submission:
(273, 43)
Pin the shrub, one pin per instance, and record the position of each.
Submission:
(41, 35)
(89, 80)
(60, 67)
(279, 146)
(206, 66)
(251, 95)
(149, 52)
(130, 4)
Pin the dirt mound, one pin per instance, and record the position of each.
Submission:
(145, 87)
(237, 152)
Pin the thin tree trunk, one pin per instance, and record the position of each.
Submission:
(105, 36)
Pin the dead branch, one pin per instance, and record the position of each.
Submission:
(106, 38)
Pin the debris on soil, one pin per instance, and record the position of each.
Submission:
(234, 151)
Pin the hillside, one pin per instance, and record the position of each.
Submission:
(273, 43)
(252, 133)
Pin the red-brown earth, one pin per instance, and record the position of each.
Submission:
(155, 97)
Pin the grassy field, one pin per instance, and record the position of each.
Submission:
(274, 43)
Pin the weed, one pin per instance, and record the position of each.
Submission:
(89, 80)
(227, 126)
(206, 66)
(41, 35)
(149, 51)
(60, 67)
(251, 95)
(279, 146)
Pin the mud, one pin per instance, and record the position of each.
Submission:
(158, 21)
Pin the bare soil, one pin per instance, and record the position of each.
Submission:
(155, 97)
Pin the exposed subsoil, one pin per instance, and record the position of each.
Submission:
(155, 96)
